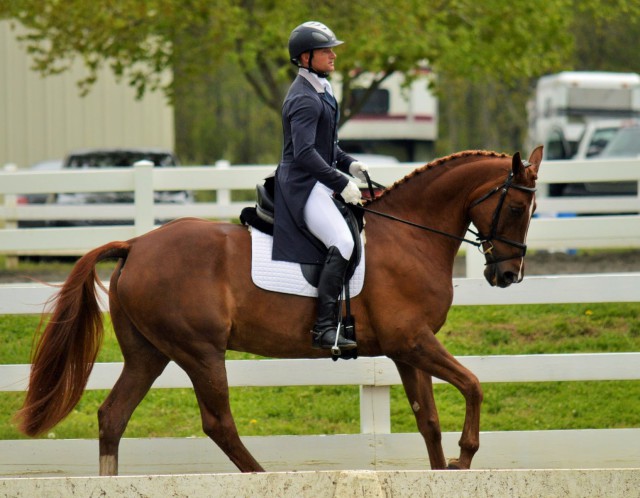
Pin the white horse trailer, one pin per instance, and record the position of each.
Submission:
(397, 120)
(564, 103)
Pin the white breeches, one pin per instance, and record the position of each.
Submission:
(324, 220)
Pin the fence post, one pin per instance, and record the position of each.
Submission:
(223, 196)
(375, 410)
(143, 196)
(10, 204)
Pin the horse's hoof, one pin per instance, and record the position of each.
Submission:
(454, 464)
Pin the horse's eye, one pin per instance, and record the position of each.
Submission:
(516, 210)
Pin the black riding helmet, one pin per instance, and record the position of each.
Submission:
(306, 38)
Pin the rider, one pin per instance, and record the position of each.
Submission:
(308, 226)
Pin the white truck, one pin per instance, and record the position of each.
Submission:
(565, 103)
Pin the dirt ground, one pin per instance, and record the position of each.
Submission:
(560, 263)
(537, 263)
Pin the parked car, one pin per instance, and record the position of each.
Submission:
(625, 144)
(597, 135)
(116, 158)
(49, 165)
(594, 139)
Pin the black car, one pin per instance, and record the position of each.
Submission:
(116, 158)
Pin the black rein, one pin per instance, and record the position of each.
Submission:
(480, 239)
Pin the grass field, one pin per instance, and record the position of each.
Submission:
(475, 330)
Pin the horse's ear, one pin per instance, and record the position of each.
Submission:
(536, 158)
(516, 165)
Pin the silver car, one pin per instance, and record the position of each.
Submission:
(624, 144)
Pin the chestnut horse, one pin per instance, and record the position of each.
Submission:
(184, 293)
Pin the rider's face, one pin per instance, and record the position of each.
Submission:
(322, 61)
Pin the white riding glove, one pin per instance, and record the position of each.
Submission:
(357, 169)
(351, 193)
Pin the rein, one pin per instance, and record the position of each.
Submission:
(480, 239)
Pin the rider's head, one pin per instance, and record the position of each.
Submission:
(308, 37)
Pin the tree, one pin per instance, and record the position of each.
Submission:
(144, 41)
(609, 44)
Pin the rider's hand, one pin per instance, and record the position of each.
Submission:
(357, 169)
(351, 193)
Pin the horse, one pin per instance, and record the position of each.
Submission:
(183, 292)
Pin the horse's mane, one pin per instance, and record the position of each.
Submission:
(466, 154)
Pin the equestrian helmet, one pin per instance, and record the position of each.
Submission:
(310, 36)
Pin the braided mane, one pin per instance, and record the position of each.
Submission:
(443, 160)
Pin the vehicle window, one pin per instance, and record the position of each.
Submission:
(119, 159)
(377, 103)
(626, 143)
(600, 139)
(556, 147)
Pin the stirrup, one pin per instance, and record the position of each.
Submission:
(336, 350)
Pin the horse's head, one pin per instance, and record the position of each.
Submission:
(502, 216)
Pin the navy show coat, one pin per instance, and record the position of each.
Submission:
(310, 154)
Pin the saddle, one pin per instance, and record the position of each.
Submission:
(261, 217)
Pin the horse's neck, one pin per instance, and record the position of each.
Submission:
(436, 199)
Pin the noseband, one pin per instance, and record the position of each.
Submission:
(486, 240)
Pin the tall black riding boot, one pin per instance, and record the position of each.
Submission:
(329, 289)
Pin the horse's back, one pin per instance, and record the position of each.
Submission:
(189, 240)
(176, 267)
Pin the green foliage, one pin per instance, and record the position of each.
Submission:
(141, 40)
(225, 64)
(470, 330)
(605, 38)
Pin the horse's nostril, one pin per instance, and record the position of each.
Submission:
(511, 277)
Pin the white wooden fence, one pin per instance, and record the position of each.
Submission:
(546, 232)
(375, 447)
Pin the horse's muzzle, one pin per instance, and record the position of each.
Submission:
(499, 277)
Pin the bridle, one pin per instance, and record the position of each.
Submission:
(486, 244)
(482, 242)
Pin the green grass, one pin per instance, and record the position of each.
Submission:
(470, 330)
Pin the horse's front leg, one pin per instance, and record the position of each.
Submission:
(422, 350)
(419, 389)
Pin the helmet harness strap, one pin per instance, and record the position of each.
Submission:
(310, 68)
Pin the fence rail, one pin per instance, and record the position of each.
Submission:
(547, 231)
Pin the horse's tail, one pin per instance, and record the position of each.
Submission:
(63, 355)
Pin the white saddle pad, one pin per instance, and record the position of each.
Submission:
(283, 276)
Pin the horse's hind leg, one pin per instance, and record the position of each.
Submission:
(143, 363)
(418, 386)
(212, 391)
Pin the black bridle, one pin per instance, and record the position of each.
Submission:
(495, 220)
(482, 242)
